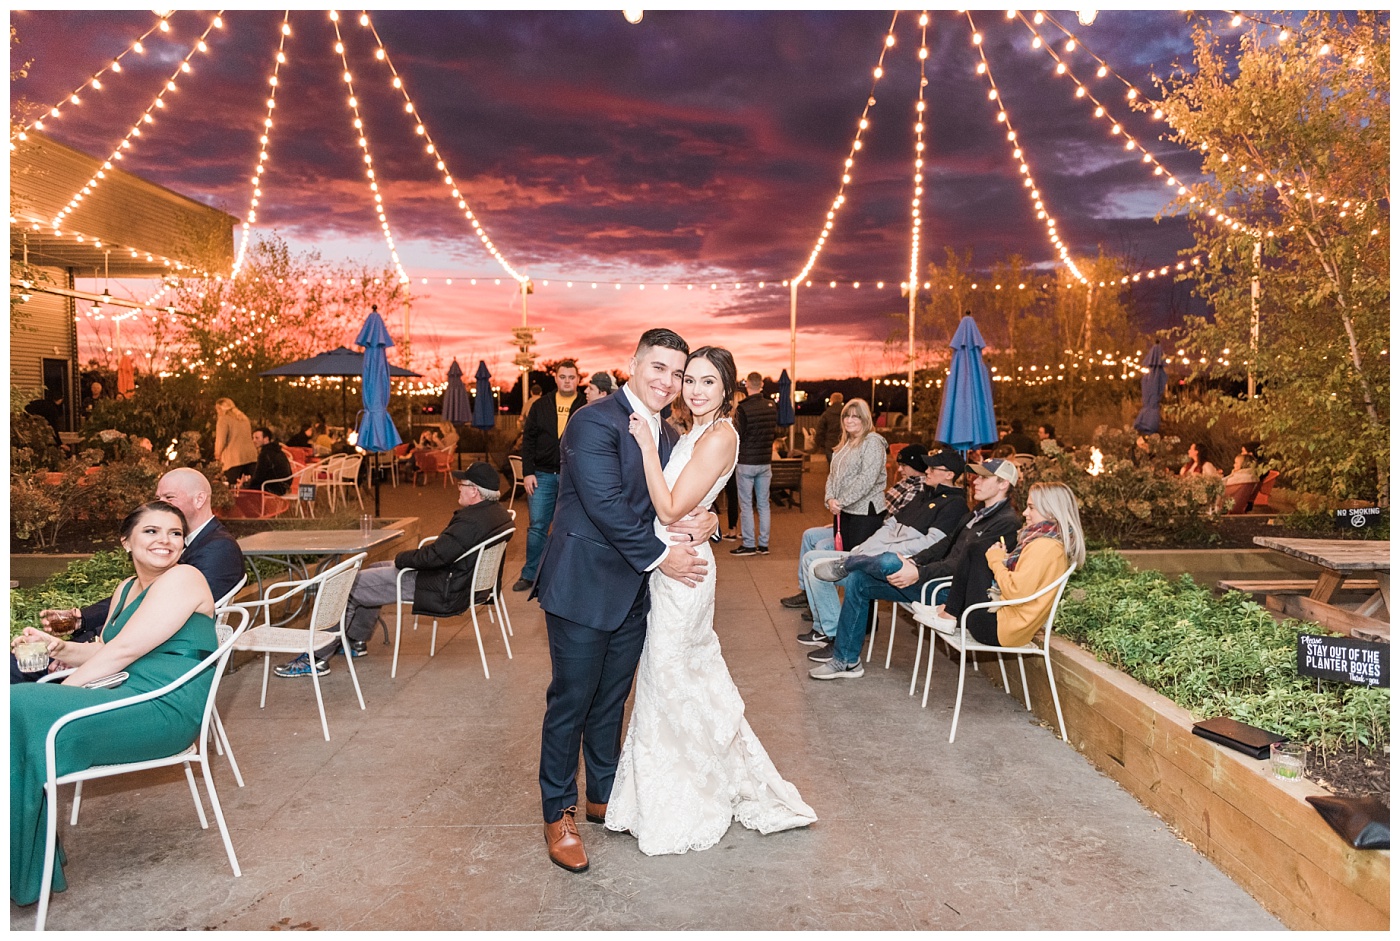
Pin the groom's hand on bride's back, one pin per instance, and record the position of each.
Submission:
(699, 526)
(684, 565)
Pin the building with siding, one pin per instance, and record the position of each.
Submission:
(124, 227)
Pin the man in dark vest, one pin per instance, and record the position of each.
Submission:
(756, 420)
(539, 461)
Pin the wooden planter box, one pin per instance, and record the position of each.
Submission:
(1258, 830)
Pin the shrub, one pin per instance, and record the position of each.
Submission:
(1215, 656)
(1129, 503)
(83, 582)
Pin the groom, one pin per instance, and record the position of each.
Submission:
(593, 581)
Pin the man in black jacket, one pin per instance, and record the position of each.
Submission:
(209, 547)
(273, 464)
(995, 519)
(539, 462)
(756, 420)
(440, 586)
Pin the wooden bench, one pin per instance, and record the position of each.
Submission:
(787, 478)
(1291, 586)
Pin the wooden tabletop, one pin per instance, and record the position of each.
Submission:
(314, 541)
(1339, 555)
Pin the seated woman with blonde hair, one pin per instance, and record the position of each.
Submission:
(1050, 541)
(161, 624)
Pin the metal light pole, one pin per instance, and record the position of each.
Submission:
(792, 359)
(1254, 319)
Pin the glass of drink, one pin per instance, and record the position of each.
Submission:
(1288, 759)
(32, 656)
(366, 524)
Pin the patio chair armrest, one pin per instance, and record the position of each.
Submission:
(930, 588)
(56, 675)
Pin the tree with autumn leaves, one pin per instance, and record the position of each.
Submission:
(1293, 126)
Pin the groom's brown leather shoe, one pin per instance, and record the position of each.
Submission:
(565, 846)
(594, 813)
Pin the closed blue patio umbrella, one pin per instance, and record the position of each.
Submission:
(1154, 385)
(786, 413)
(376, 432)
(484, 408)
(965, 418)
(456, 400)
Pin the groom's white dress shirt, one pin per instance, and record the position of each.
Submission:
(653, 421)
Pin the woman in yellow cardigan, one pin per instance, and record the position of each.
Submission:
(1051, 539)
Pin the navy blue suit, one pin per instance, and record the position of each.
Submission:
(592, 585)
(214, 552)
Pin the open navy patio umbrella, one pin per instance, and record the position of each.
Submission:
(456, 401)
(341, 361)
(1154, 385)
(376, 432)
(965, 418)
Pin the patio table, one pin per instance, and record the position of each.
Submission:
(1338, 559)
(295, 546)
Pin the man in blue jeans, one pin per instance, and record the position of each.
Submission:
(756, 420)
(539, 462)
(892, 577)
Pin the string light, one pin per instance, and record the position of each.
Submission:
(264, 142)
(159, 102)
(856, 145)
(919, 114)
(363, 140)
(430, 148)
(1023, 164)
(1138, 99)
(94, 81)
(1130, 144)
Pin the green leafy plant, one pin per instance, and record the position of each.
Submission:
(1215, 656)
(83, 582)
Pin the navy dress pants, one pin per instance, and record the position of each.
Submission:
(592, 677)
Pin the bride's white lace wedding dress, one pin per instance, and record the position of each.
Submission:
(690, 763)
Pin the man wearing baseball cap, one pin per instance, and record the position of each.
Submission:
(905, 579)
(440, 586)
(938, 509)
(909, 482)
(600, 385)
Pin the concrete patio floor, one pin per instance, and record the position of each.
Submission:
(422, 812)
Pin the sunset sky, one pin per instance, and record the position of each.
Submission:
(691, 148)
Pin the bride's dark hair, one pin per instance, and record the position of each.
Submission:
(723, 361)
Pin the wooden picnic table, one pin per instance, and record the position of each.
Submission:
(1338, 559)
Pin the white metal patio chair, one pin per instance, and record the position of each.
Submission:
(962, 641)
(195, 752)
(486, 589)
(517, 478)
(327, 623)
(347, 477)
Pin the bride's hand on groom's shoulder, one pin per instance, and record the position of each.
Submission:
(684, 565)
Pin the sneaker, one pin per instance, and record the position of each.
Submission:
(731, 537)
(822, 654)
(798, 600)
(745, 550)
(813, 639)
(714, 536)
(762, 550)
(521, 584)
(301, 667)
(830, 570)
(358, 648)
(832, 670)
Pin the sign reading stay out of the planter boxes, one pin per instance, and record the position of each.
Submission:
(1345, 659)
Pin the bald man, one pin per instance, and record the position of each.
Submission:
(209, 547)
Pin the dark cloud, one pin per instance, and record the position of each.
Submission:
(697, 146)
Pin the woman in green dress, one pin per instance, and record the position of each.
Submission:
(161, 625)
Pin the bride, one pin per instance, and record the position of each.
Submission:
(690, 763)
